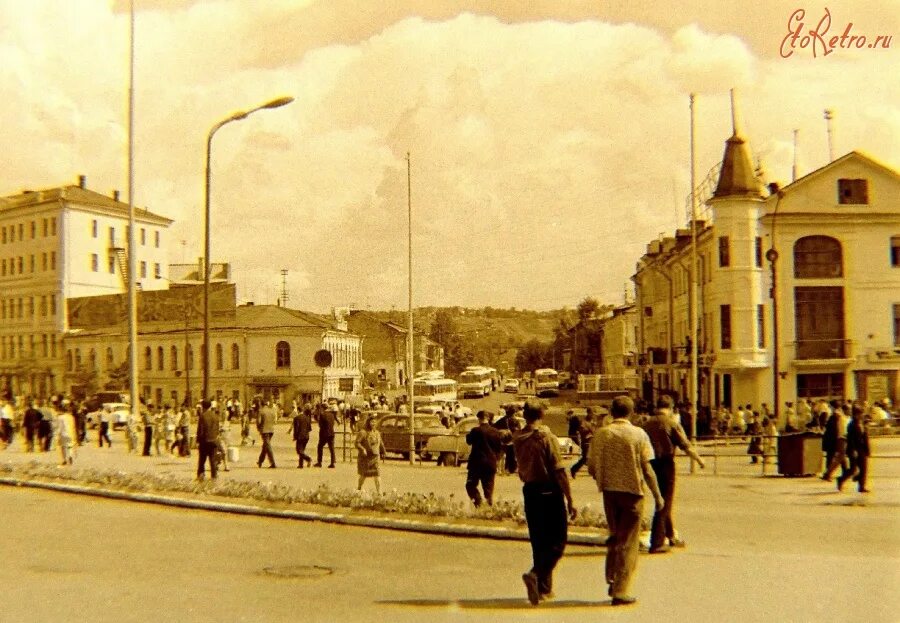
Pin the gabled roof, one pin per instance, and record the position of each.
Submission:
(77, 195)
(273, 316)
(853, 155)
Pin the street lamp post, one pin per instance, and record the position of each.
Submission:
(276, 103)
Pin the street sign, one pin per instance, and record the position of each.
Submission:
(322, 358)
(345, 384)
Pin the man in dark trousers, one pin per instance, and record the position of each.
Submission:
(327, 419)
(547, 496)
(487, 444)
(300, 428)
(30, 423)
(147, 416)
(620, 463)
(265, 424)
(583, 439)
(858, 450)
(666, 434)
(207, 440)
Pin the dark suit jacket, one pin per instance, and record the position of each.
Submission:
(487, 444)
(208, 427)
(857, 439)
(301, 426)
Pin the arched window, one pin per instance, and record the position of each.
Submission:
(817, 257)
(92, 360)
(235, 357)
(70, 365)
(77, 356)
(173, 357)
(220, 357)
(110, 360)
(282, 355)
(160, 358)
(148, 358)
(189, 357)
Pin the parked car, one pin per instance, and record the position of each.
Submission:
(451, 448)
(118, 418)
(394, 429)
(511, 386)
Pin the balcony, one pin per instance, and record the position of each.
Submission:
(825, 349)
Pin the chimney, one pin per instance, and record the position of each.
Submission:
(82, 181)
(116, 195)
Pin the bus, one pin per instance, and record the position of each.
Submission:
(434, 389)
(476, 381)
(546, 382)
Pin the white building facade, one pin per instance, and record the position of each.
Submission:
(836, 278)
(57, 244)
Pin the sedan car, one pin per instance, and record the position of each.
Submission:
(394, 429)
(511, 386)
(119, 412)
(451, 448)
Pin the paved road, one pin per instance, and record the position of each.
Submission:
(73, 558)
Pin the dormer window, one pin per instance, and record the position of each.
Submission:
(853, 192)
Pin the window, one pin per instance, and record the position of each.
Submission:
(148, 358)
(761, 326)
(52, 260)
(31, 263)
(143, 270)
(220, 357)
(31, 307)
(44, 263)
(33, 230)
(157, 270)
(21, 307)
(235, 357)
(725, 325)
(52, 304)
(817, 257)
(173, 358)
(896, 324)
(52, 346)
(4, 234)
(853, 192)
(111, 264)
(724, 251)
(46, 228)
(143, 236)
(21, 264)
(53, 226)
(189, 357)
(110, 361)
(156, 239)
(3, 269)
(69, 361)
(94, 229)
(895, 250)
(77, 357)
(160, 358)
(112, 236)
(758, 251)
(282, 355)
(21, 232)
(92, 360)
(44, 306)
(95, 262)
(45, 345)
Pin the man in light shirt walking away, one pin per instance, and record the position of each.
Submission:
(619, 461)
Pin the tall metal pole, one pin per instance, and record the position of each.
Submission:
(204, 350)
(694, 302)
(132, 260)
(410, 361)
(829, 115)
(772, 256)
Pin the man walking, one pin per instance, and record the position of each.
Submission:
(207, 440)
(837, 428)
(30, 424)
(300, 429)
(487, 444)
(547, 496)
(620, 463)
(266, 427)
(584, 436)
(858, 450)
(666, 434)
(148, 429)
(327, 419)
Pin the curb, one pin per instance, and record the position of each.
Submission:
(338, 518)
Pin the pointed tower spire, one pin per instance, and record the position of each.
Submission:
(738, 177)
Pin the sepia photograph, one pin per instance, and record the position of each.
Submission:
(450, 310)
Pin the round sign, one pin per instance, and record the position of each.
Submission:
(322, 358)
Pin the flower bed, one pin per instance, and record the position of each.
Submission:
(281, 495)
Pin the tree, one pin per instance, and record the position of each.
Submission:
(588, 308)
(531, 356)
(120, 376)
(445, 331)
(87, 379)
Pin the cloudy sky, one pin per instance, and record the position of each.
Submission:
(549, 139)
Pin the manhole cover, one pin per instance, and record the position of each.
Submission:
(298, 571)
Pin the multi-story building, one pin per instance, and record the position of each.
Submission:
(256, 350)
(618, 341)
(822, 255)
(57, 244)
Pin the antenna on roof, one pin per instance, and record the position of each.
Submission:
(734, 115)
(829, 115)
(283, 299)
(794, 168)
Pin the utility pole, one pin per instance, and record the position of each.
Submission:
(410, 361)
(693, 302)
(132, 260)
(284, 292)
(829, 115)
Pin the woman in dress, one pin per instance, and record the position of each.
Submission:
(369, 450)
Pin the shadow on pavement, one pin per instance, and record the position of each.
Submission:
(499, 603)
